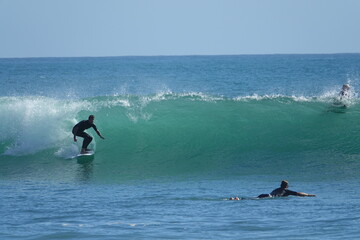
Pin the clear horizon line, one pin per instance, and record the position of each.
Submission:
(182, 55)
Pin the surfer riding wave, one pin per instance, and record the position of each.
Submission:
(79, 130)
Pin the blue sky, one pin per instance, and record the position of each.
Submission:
(65, 28)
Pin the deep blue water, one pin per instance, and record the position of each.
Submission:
(183, 134)
(232, 76)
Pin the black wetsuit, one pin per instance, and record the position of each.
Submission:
(279, 192)
(78, 130)
(282, 192)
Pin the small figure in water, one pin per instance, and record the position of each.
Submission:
(78, 130)
(235, 198)
(283, 191)
(342, 101)
(344, 93)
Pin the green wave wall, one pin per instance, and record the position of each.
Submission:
(171, 134)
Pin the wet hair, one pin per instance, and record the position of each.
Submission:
(91, 117)
(284, 184)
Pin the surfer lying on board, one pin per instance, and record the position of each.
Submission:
(79, 128)
(282, 191)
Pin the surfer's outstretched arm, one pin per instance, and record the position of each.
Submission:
(301, 194)
(98, 133)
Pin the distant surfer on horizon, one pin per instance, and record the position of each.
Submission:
(80, 127)
(283, 191)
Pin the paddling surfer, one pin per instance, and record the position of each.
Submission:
(283, 191)
(79, 128)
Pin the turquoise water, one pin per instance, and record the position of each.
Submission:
(183, 134)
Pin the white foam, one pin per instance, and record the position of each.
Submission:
(33, 124)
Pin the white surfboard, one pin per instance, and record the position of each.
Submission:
(87, 154)
(339, 104)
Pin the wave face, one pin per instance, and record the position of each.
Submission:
(167, 134)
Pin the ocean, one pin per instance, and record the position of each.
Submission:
(183, 134)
